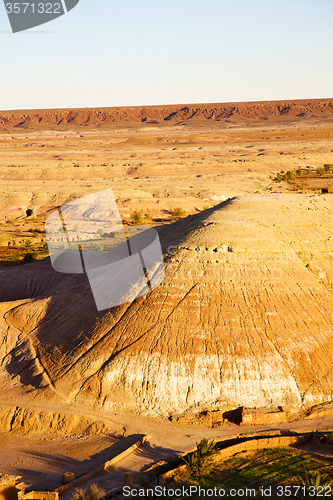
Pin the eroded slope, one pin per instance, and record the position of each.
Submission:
(243, 317)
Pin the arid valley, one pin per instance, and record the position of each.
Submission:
(241, 195)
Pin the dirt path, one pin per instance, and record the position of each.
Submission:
(42, 460)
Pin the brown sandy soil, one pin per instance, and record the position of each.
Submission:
(157, 159)
(192, 163)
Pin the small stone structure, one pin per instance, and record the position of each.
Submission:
(262, 416)
(68, 477)
(210, 418)
(100, 470)
(8, 489)
(40, 495)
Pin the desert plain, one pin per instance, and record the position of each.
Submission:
(243, 317)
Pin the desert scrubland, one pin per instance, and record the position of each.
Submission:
(244, 315)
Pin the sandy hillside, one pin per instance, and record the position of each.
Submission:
(244, 314)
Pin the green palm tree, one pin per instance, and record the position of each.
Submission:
(201, 462)
(312, 482)
(28, 245)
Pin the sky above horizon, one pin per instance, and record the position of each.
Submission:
(126, 53)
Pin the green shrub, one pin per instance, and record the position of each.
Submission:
(312, 481)
(328, 167)
(138, 217)
(147, 217)
(27, 245)
(200, 462)
(299, 171)
(320, 171)
(178, 212)
(284, 176)
(93, 492)
(96, 247)
(100, 232)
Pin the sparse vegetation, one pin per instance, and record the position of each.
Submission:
(28, 246)
(178, 212)
(264, 467)
(93, 492)
(312, 481)
(96, 247)
(302, 174)
(200, 462)
(139, 217)
(283, 176)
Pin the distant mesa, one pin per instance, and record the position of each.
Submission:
(89, 117)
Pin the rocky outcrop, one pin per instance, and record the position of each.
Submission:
(243, 318)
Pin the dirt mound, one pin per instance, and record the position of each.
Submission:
(25, 421)
(156, 114)
(243, 318)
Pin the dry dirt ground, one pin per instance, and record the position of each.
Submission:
(189, 163)
(42, 460)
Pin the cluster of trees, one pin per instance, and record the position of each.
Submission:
(327, 169)
(139, 217)
(286, 176)
(283, 176)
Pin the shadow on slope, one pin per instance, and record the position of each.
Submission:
(60, 323)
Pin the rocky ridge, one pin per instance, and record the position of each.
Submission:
(169, 113)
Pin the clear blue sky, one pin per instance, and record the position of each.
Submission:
(131, 52)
